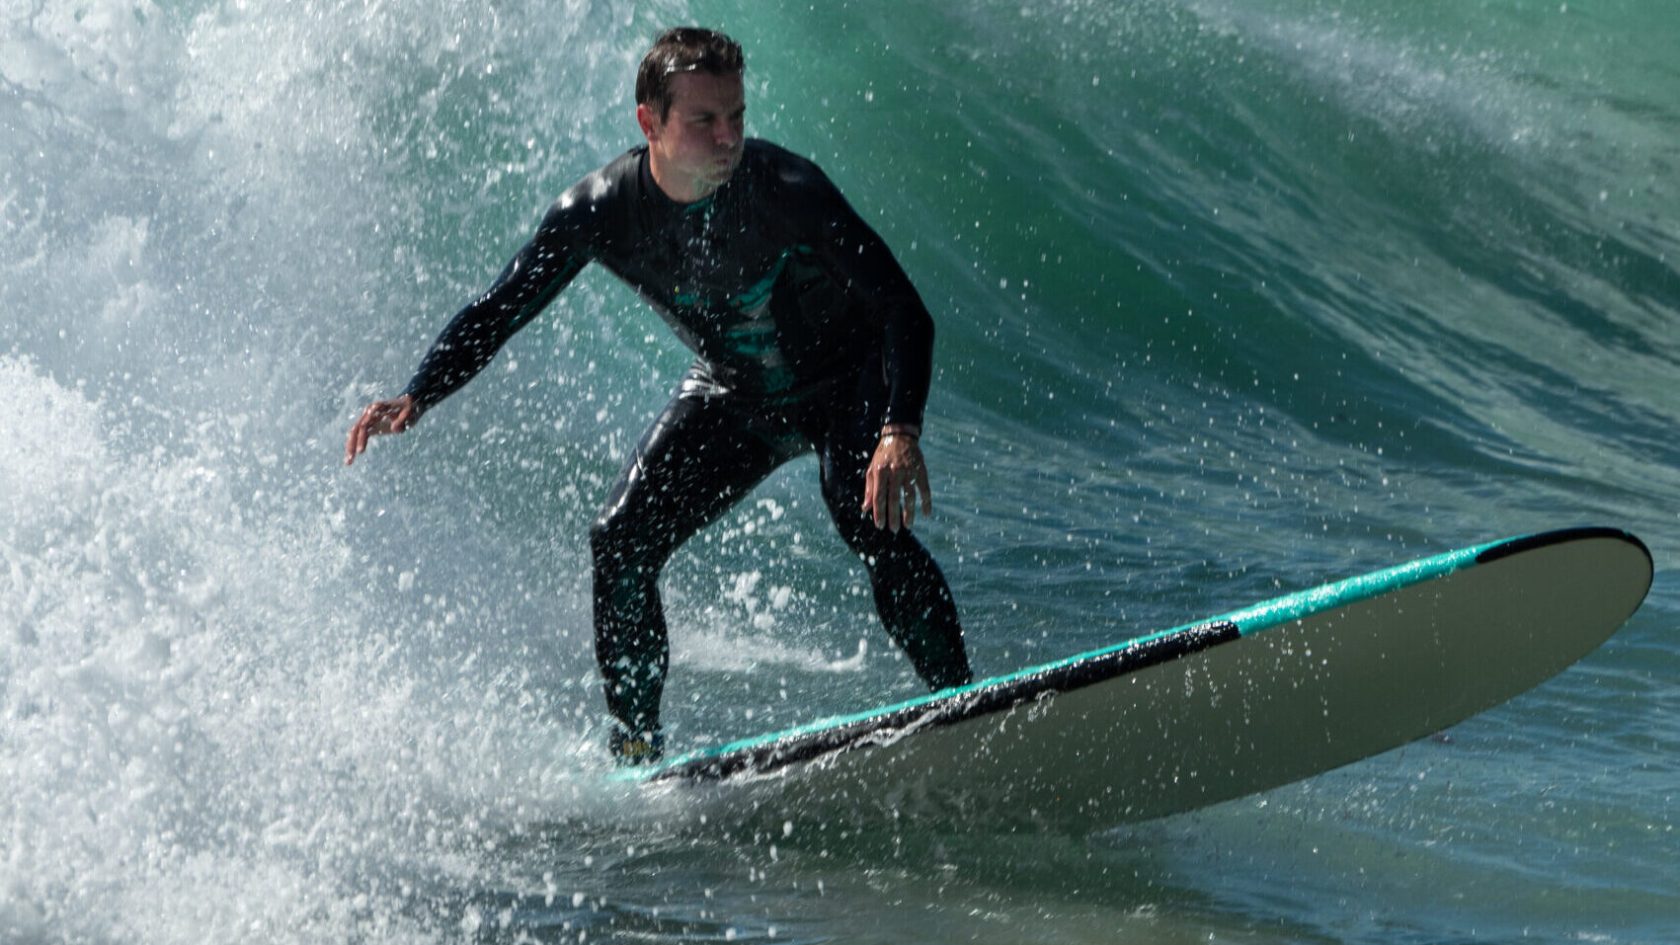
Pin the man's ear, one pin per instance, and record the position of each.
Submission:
(646, 119)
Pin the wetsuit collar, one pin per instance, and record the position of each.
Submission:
(644, 171)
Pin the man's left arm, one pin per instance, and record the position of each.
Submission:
(860, 262)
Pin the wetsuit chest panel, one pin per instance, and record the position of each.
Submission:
(720, 273)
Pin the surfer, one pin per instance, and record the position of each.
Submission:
(808, 336)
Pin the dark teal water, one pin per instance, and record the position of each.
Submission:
(1234, 298)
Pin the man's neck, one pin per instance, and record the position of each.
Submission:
(678, 187)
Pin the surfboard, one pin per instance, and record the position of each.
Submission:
(1205, 712)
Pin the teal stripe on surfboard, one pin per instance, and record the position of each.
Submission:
(1267, 614)
(1248, 620)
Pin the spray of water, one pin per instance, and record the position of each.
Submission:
(227, 712)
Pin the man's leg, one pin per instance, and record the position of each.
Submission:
(911, 595)
(696, 461)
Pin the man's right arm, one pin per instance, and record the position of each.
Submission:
(540, 270)
(525, 287)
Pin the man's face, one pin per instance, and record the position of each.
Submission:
(700, 138)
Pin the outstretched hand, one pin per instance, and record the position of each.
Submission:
(897, 475)
(380, 417)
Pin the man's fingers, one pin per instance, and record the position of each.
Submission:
(882, 482)
(895, 504)
(892, 485)
(357, 441)
(900, 490)
(381, 416)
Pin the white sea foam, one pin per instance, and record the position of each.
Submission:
(218, 720)
(204, 730)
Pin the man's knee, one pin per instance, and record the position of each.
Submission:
(619, 545)
(605, 539)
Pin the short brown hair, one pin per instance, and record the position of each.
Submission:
(684, 49)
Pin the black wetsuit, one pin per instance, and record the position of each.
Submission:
(809, 336)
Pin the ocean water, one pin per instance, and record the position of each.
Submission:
(1234, 298)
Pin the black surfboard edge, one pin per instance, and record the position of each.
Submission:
(1515, 546)
(1008, 693)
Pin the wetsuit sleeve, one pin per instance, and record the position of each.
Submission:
(544, 266)
(858, 260)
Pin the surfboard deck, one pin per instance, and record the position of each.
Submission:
(1201, 713)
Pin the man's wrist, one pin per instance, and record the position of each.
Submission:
(911, 430)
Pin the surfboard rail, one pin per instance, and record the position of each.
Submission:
(1423, 617)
